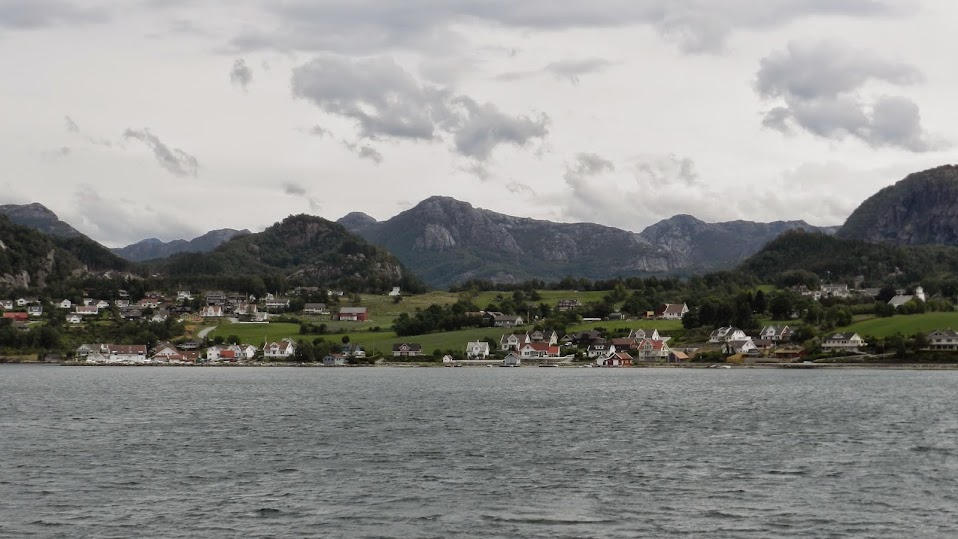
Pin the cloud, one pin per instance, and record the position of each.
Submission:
(385, 101)
(518, 188)
(31, 14)
(74, 128)
(820, 88)
(664, 170)
(364, 151)
(296, 190)
(174, 160)
(71, 125)
(241, 74)
(572, 70)
(121, 222)
(57, 153)
(370, 26)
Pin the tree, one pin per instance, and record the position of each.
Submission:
(759, 303)
(345, 339)
(781, 307)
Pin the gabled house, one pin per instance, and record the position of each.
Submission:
(6, 304)
(211, 311)
(335, 360)
(279, 350)
(65, 304)
(183, 295)
(641, 334)
(507, 321)
(477, 350)
(843, 342)
(16, 316)
(740, 346)
(407, 350)
(618, 359)
(543, 335)
(122, 303)
(103, 304)
(74, 318)
(511, 342)
(625, 343)
(671, 311)
(353, 314)
(148, 303)
(276, 304)
(775, 333)
(87, 310)
(352, 350)
(35, 310)
(943, 339)
(125, 353)
(582, 338)
(568, 304)
(511, 360)
(538, 350)
(600, 350)
(727, 334)
(653, 350)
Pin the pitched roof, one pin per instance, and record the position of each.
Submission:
(352, 310)
(410, 346)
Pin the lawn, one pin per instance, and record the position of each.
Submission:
(904, 324)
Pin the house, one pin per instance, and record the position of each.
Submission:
(122, 303)
(103, 304)
(353, 314)
(247, 350)
(315, 308)
(582, 338)
(538, 350)
(16, 317)
(671, 311)
(65, 304)
(511, 360)
(543, 335)
(74, 318)
(131, 314)
(215, 297)
(165, 349)
(568, 304)
(625, 343)
(511, 342)
(507, 321)
(653, 350)
(87, 310)
(189, 345)
(395, 292)
(276, 305)
(843, 342)
(6, 304)
(943, 339)
(407, 350)
(835, 291)
(352, 350)
(775, 333)
(125, 353)
(477, 350)
(279, 350)
(183, 295)
(640, 334)
(727, 334)
(148, 303)
(676, 356)
(619, 359)
(160, 316)
(600, 350)
(34, 310)
(212, 311)
(335, 360)
(740, 346)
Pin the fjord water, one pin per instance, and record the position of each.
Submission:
(382, 452)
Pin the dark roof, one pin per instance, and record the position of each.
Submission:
(411, 346)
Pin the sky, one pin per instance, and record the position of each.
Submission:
(148, 118)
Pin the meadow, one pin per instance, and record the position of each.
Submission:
(904, 324)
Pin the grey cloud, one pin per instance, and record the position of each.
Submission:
(241, 75)
(370, 25)
(174, 160)
(586, 165)
(74, 128)
(320, 131)
(385, 101)
(57, 153)
(120, 223)
(71, 125)
(664, 170)
(297, 190)
(484, 127)
(364, 151)
(29, 14)
(571, 70)
(819, 89)
(518, 188)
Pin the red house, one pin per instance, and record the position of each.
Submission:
(16, 317)
(353, 314)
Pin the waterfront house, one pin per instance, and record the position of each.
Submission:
(600, 350)
(675, 356)
(534, 350)
(407, 350)
(775, 333)
(511, 360)
(843, 342)
(740, 346)
(335, 360)
(653, 350)
(724, 334)
(283, 349)
(477, 350)
(618, 359)
(943, 339)
(511, 342)
(352, 350)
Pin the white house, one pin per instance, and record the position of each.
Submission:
(511, 342)
(35, 310)
(600, 350)
(740, 346)
(6, 304)
(315, 308)
(211, 311)
(943, 339)
(671, 311)
(507, 321)
(65, 304)
(103, 304)
(775, 333)
(74, 318)
(395, 292)
(87, 310)
(546, 336)
(407, 350)
(842, 342)
(334, 360)
(538, 350)
(511, 360)
(279, 350)
(477, 350)
(727, 334)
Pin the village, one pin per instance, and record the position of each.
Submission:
(631, 342)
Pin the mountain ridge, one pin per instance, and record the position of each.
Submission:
(153, 248)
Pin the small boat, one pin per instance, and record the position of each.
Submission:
(548, 365)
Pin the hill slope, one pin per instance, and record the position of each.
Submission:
(302, 249)
(446, 241)
(152, 248)
(38, 217)
(921, 209)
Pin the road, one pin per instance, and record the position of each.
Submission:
(204, 332)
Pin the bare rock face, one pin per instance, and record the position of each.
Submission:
(434, 238)
(921, 209)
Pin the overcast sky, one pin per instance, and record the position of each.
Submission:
(148, 118)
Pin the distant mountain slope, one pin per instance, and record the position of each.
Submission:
(918, 210)
(700, 246)
(30, 259)
(38, 217)
(153, 248)
(446, 241)
(301, 249)
(841, 260)
(356, 220)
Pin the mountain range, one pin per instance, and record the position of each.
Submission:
(152, 248)
(446, 241)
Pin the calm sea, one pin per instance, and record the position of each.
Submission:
(476, 452)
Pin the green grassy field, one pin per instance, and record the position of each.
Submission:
(904, 324)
